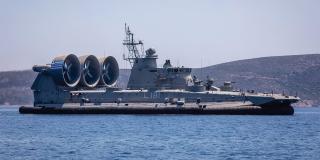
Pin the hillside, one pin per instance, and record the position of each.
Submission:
(15, 87)
(297, 74)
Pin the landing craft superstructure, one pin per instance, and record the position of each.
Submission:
(89, 80)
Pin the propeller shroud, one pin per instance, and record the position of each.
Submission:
(90, 71)
(109, 71)
(65, 70)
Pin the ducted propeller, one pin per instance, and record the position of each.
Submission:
(109, 71)
(90, 71)
(66, 70)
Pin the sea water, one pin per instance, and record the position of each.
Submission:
(159, 136)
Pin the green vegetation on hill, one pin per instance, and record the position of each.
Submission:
(296, 74)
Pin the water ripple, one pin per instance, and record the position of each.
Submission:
(159, 137)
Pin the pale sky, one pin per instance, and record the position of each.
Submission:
(190, 33)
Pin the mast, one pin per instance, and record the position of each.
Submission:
(132, 46)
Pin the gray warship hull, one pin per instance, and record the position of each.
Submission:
(50, 98)
(161, 96)
(221, 108)
(53, 99)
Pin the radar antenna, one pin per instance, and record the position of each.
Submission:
(131, 44)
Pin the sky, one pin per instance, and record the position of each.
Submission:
(190, 33)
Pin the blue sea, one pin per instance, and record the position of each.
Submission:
(159, 136)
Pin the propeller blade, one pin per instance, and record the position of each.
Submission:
(65, 66)
(87, 64)
(89, 74)
(69, 67)
(69, 77)
(108, 76)
(107, 67)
